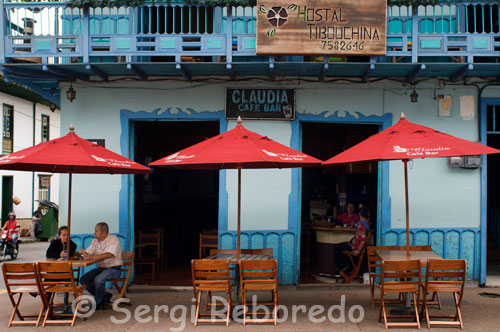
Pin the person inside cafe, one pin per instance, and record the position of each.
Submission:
(57, 248)
(349, 218)
(106, 249)
(355, 244)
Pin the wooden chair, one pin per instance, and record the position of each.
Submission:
(163, 256)
(356, 262)
(374, 269)
(404, 277)
(213, 231)
(151, 240)
(434, 300)
(57, 277)
(445, 276)
(127, 265)
(207, 242)
(21, 278)
(259, 275)
(210, 276)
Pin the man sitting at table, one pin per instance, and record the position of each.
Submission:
(355, 244)
(349, 218)
(107, 250)
(57, 248)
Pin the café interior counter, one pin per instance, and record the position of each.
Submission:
(327, 236)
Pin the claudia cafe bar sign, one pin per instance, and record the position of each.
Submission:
(278, 104)
(321, 27)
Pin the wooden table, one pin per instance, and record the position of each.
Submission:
(233, 260)
(75, 262)
(400, 255)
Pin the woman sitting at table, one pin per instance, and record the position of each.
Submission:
(355, 244)
(57, 248)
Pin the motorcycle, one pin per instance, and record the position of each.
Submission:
(7, 247)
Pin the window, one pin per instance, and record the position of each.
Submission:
(45, 127)
(8, 129)
(44, 187)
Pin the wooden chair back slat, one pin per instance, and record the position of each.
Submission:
(19, 271)
(449, 268)
(409, 271)
(56, 274)
(263, 269)
(207, 242)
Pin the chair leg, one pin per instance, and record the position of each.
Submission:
(414, 295)
(372, 293)
(49, 309)
(459, 313)
(382, 307)
(15, 310)
(245, 307)
(197, 314)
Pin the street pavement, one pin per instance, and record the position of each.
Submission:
(28, 252)
(157, 309)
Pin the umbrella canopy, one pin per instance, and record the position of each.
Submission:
(404, 141)
(70, 154)
(236, 149)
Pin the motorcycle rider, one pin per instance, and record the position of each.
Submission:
(12, 226)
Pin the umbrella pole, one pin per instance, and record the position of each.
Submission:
(239, 215)
(68, 240)
(405, 161)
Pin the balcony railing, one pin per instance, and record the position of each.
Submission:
(52, 33)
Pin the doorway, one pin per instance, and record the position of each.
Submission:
(326, 189)
(183, 203)
(493, 197)
(7, 193)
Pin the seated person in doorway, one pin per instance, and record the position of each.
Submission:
(107, 249)
(355, 244)
(57, 248)
(349, 218)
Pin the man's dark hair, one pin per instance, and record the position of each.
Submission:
(363, 212)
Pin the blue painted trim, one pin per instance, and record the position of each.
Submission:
(385, 121)
(127, 117)
(30, 85)
(484, 173)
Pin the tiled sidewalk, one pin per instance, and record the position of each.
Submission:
(480, 313)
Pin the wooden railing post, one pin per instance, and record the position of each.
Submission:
(414, 34)
(85, 35)
(229, 36)
(2, 34)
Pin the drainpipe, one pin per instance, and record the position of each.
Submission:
(33, 173)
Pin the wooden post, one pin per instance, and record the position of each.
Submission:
(239, 214)
(68, 240)
(405, 161)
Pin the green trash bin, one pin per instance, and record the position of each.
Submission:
(49, 221)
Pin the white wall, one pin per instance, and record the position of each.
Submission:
(23, 138)
(437, 193)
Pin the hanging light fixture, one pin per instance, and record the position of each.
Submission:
(71, 93)
(414, 96)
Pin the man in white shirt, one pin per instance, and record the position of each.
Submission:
(107, 249)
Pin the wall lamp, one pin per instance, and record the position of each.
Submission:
(71, 93)
(414, 96)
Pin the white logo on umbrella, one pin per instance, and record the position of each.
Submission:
(270, 154)
(113, 162)
(176, 158)
(8, 158)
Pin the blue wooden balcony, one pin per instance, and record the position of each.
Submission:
(50, 41)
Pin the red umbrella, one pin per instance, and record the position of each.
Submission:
(236, 149)
(405, 141)
(70, 154)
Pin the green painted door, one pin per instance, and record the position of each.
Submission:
(7, 183)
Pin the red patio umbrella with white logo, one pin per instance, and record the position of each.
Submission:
(70, 154)
(404, 141)
(236, 149)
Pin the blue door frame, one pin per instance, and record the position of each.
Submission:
(484, 103)
(384, 121)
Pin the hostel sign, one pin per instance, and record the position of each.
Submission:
(321, 27)
(260, 104)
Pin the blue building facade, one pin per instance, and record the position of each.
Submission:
(173, 62)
